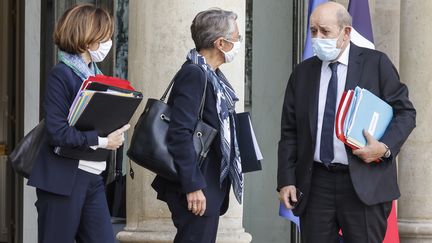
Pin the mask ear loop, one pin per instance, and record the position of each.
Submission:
(216, 44)
(342, 31)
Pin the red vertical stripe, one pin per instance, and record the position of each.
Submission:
(392, 234)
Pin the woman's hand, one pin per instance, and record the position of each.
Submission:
(196, 202)
(116, 138)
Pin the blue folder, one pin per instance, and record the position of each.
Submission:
(367, 112)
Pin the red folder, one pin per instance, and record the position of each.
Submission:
(341, 113)
(107, 80)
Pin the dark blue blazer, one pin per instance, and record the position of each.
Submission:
(50, 172)
(184, 101)
(370, 69)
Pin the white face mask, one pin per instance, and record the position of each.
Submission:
(229, 55)
(326, 49)
(100, 54)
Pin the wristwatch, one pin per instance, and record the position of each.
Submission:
(387, 152)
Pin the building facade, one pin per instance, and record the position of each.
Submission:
(151, 40)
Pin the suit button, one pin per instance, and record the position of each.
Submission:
(310, 169)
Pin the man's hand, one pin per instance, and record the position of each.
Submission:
(196, 202)
(373, 150)
(286, 194)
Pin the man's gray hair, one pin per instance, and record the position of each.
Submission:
(343, 18)
(211, 24)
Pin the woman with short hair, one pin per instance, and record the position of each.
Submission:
(71, 200)
(201, 195)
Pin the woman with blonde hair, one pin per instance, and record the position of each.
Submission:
(71, 200)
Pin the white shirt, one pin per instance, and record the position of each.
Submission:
(340, 155)
(94, 167)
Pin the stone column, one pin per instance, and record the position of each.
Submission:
(415, 205)
(159, 39)
(385, 15)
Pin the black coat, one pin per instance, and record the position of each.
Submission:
(184, 101)
(369, 69)
(50, 172)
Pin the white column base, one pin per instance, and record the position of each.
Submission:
(418, 231)
(159, 230)
(163, 231)
(168, 237)
(145, 237)
(234, 236)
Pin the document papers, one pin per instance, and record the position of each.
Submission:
(250, 152)
(103, 104)
(359, 110)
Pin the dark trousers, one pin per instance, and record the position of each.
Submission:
(83, 216)
(190, 228)
(333, 204)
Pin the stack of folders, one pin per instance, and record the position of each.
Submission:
(103, 104)
(250, 152)
(359, 110)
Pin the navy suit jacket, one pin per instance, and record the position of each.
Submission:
(184, 101)
(370, 69)
(50, 172)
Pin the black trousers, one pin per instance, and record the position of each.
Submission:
(190, 228)
(82, 217)
(333, 205)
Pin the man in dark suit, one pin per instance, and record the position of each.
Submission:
(341, 188)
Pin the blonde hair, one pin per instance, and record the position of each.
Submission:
(80, 26)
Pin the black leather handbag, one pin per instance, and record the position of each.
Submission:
(115, 187)
(148, 146)
(23, 156)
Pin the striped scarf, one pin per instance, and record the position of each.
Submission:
(225, 105)
(77, 64)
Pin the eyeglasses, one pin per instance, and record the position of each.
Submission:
(230, 39)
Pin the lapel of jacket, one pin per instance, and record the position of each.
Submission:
(355, 66)
(315, 75)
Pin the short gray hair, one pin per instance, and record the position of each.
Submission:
(211, 24)
(343, 18)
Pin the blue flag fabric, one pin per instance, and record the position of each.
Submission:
(361, 20)
(307, 51)
(288, 214)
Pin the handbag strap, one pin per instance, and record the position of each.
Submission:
(119, 164)
(201, 108)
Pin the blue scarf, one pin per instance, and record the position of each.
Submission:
(77, 64)
(225, 105)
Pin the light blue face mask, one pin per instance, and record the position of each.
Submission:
(326, 49)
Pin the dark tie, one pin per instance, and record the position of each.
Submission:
(328, 124)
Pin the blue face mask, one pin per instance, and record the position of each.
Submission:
(326, 49)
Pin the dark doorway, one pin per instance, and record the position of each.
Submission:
(11, 114)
